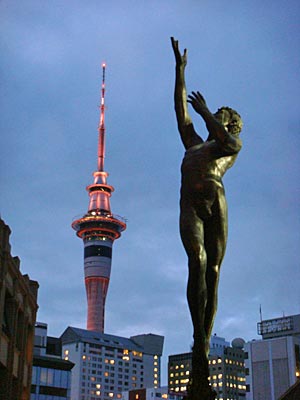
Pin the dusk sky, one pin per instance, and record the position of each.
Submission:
(243, 54)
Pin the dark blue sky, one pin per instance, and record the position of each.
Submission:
(242, 55)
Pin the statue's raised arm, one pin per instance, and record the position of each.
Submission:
(185, 125)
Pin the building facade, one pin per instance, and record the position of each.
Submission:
(150, 394)
(226, 368)
(107, 365)
(273, 363)
(18, 307)
(51, 375)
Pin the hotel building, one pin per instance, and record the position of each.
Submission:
(107, 365)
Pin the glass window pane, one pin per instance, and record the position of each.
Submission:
(57, 374)
(43, 377)
(33, 379)
(50, 377)
(64, 379)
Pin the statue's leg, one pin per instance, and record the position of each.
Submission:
(192, 235)
(215, 244)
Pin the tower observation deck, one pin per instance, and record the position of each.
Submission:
(98, 228)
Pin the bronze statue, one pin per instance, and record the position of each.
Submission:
(203, 213)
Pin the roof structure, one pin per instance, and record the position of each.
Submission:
(151, 344)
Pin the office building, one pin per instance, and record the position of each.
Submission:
(106, 365)
(51, 375)
(18, 307)
(226, 368)
(273, 363)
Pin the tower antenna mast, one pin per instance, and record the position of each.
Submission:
(101, 127)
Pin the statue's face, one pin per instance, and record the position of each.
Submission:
(231, 121)
(235, 125)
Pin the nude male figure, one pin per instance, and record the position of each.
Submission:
(203, 212)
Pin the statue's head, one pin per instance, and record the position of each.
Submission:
(230, 119)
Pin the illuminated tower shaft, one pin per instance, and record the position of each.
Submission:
(98, 229)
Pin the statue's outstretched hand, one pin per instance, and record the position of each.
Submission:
(181, 59)
(198, 102)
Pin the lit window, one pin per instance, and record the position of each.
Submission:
(98, 386)
(155, 357)
(98, 393)
(111, 361)
(110, 394)
(66, 352)
(84, 357)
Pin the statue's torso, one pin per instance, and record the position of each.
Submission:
(202, 169)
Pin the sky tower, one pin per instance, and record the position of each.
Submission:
(98, 228)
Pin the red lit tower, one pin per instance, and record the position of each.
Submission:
(98, 228)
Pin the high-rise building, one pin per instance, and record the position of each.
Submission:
(98, 228)
(51, 375)
(273, 363)
(18, 307)
(226, 369)
(106, 365)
